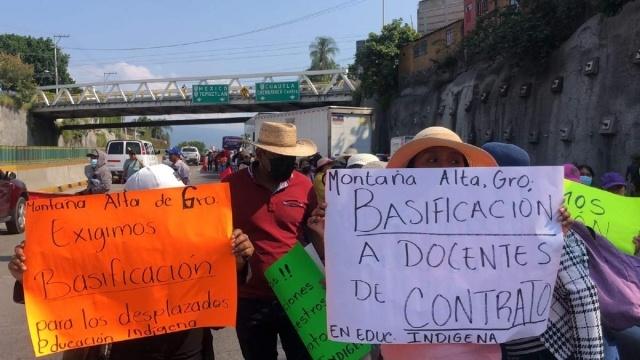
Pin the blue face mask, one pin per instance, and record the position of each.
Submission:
(587, 180)
(94, 162)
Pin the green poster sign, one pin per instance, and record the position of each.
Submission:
(278, 91)
(210, 94)
(612, 216)
(298, 284)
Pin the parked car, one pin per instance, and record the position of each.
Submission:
(13, 202)
(117, 154)
(191, 155)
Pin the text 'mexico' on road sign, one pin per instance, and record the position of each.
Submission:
(210, 94)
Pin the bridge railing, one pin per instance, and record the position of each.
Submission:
(36, 154)
(312, 83)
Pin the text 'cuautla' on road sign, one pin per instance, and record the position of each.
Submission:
(210, 94)
(278, 91)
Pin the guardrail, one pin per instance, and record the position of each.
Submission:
(35, 154)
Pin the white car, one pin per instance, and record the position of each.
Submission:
(191, 155)
(117, 154)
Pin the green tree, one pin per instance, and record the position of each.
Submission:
(39, 53)
(198, 144)
(530, 34)
(377, 62)
(322, 52)
(16, 76)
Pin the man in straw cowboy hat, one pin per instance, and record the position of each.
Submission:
(271, 203)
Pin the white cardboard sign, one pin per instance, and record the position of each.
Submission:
(464, 255)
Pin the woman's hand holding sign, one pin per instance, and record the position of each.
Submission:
(565, 219)
(16, 265)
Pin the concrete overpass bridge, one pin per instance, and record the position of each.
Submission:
(245, 93)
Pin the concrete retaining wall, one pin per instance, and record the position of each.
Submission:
(50, 178)
(13, 127)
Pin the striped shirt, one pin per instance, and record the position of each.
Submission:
(574, 329)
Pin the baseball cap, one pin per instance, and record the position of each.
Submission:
(174, 151)
(612, 179)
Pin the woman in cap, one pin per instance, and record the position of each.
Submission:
(614, 182)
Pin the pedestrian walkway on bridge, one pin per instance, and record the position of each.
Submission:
(202, 94)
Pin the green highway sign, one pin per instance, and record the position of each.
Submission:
(278, 91)
(210, 94)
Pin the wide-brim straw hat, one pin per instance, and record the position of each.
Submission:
(437, 136)
(282, 139)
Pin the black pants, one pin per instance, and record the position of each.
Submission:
(258, 325)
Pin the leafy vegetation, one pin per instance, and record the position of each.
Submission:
(16, 79)
(101, 140)
(530, 33)
(39, 53)
(322, 52)
(377, 62)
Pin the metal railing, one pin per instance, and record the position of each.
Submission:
(36, 154)
(312, 83)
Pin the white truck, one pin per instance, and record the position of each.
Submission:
(191, 155)
(333, 128)
(117, 154)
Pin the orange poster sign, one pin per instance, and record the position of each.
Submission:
(107, 268)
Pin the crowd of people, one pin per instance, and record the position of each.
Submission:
(278, 201)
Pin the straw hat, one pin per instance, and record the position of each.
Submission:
(282, 138)
(439, 136)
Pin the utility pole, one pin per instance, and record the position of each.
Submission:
(382, 13)
(56, 40)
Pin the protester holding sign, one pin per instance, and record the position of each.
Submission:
(271, 202)
(449, 151)
(192, 344)
(438, 147)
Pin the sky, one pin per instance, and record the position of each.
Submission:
(233, 37)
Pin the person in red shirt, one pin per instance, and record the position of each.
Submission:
(271, 203)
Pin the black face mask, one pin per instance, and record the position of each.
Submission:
(282, 167)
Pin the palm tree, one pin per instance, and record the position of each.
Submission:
(322, 52)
